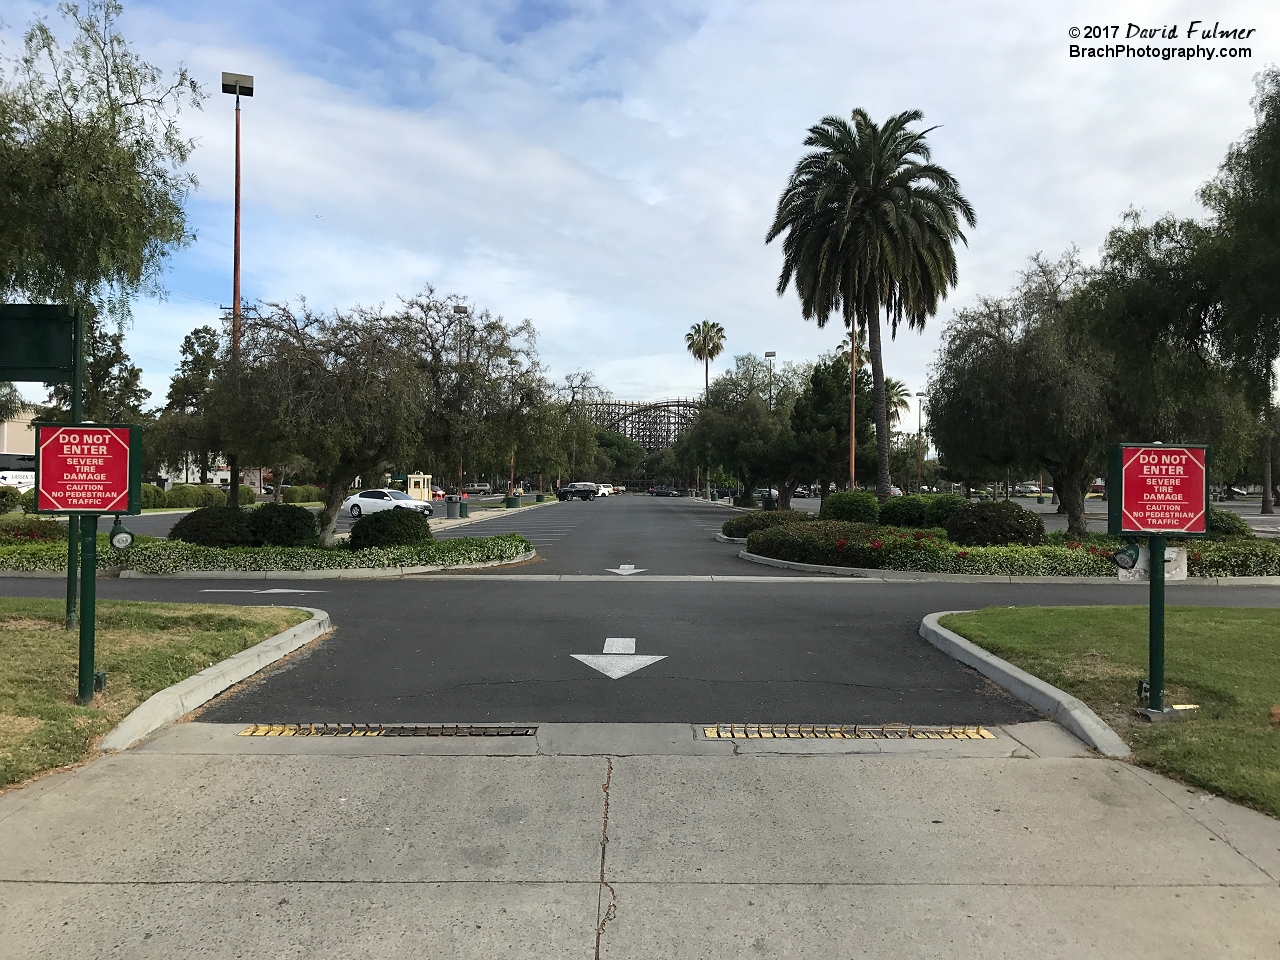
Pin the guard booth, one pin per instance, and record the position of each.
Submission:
(418, 486)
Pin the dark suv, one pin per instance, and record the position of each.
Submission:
(579, 491)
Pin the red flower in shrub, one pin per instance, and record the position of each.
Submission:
(842, 544)
(876, 544)
(962, 553)
(1073, 544)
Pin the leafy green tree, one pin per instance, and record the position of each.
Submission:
(1244, 199)
(91, 160)
(187, 429)
(705, 342)
(624, 455)
(871, 226)
(113, 391)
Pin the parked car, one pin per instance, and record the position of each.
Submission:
(479, 489)
(761, 492)
(604, 489)
(663, 491)
(577, 491)
(619, 489)
(371, 501)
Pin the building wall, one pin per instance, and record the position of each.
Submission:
(16, 435)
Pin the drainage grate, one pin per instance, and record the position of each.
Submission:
(841, 731)
(381, 730)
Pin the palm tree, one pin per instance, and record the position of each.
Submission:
(705, 341)
(871, 225)
(897, 399)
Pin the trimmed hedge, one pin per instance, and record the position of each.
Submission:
(214, 527)
(28, 501)
(908, 511)
(940, 508)
(745, 523)
(152, 497)
(303, 494)
(10, 499)
(174, 556)
(389, 528)
(1223, 525)
(1234, 558)
(746, 500)
(997, 523)
(282, 525)
(855, 506)
(182, 495)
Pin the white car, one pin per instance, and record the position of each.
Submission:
(604, 489)
(371, 501)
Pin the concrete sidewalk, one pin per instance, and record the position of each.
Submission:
(628, 841)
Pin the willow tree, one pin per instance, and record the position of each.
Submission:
(871, 226)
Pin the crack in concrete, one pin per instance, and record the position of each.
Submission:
(605, 914)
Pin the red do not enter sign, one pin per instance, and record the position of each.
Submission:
(82, 469)
(1164, 490)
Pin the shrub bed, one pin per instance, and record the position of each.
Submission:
(998, 523)
(895, 548)
(908, 511)
(389, 528)
(1233, 558)
(181, 495)
(149, 555)
(745, 523)
(214, 527)
(856, 506)
(940, 508)
(26, 530)
(282, 525)
(1223, 525)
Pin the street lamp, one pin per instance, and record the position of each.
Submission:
(919, 434)
(514, 364)
(236, 83)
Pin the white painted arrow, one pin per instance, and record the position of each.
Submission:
(626, 569)
(619, 658)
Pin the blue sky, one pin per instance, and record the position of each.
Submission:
(609, 170)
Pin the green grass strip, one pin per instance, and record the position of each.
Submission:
(1226, 659)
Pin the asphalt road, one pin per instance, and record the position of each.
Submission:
(498, 646)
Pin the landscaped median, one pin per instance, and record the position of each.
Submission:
(834, 543)
(1226, 659)
(142, 647)
(160, 557)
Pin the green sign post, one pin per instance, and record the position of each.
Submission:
(1156, 490)
(86, 470)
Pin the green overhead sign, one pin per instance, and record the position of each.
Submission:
(39, 343)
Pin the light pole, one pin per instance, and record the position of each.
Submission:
(237, 84)
(919, 434)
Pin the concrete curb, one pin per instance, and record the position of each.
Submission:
(864, 573)
(345, 573)
(181, 698)
(1060, 706)
(723, 539)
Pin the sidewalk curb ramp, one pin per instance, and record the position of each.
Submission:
(338, 573)
(895, 576)
(1057, 704)
(181, 698)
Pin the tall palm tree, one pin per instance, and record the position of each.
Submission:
(897, 399)
(871, 226)
(705, 341)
